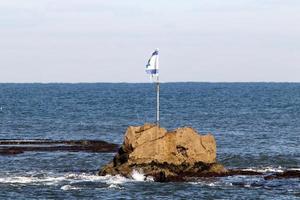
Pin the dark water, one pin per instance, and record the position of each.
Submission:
(256, 125)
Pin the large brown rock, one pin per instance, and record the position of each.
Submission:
(162, 154)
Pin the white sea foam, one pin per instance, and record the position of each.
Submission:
(139, 176)
(69, 187)
(295, 169)
(264, 169)
(28, 179)
(114, 186)
(17, 179)
(204, 183)
(69, 179)
(116, 179)
(211, 184)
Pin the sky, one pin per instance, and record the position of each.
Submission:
(111, 40)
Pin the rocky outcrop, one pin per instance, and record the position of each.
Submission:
(284, 175)
(13, 147)
(165, 155)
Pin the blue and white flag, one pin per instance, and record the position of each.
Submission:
(152, 66)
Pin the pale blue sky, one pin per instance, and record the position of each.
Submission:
(111, 40)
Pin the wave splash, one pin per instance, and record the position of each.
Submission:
(78, 181)
(269, 169)
(71, 181)
(139, 176)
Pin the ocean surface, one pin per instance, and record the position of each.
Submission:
(256, 125)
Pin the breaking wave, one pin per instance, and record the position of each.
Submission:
(269, 169)
(70, 181)
(80, 181)
(139, 176)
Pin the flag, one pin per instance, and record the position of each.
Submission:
(152, 66)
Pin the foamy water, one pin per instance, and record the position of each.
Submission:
(139, 176)
(269, 169)
(68, 179)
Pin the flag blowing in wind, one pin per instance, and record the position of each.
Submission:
(152, 66)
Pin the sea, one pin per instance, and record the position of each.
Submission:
(256, 127)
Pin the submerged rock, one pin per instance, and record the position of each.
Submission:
(13, 147)
(284, 175)
(165, 155)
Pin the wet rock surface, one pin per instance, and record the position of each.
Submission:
(283, 175)
(164, 155)
(230, 172)
(13, 147)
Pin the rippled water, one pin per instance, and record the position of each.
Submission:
(256, 125)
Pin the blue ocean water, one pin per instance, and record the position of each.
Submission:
(256, 125)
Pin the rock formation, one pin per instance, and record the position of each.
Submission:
(14, 147)
(165, 155)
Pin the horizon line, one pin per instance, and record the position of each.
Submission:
(124, 82)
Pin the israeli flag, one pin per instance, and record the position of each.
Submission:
(152, 66)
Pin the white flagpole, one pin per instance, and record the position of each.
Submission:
(157, 92)
(157, 102)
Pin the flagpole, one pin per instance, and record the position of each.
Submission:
(157, 102)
